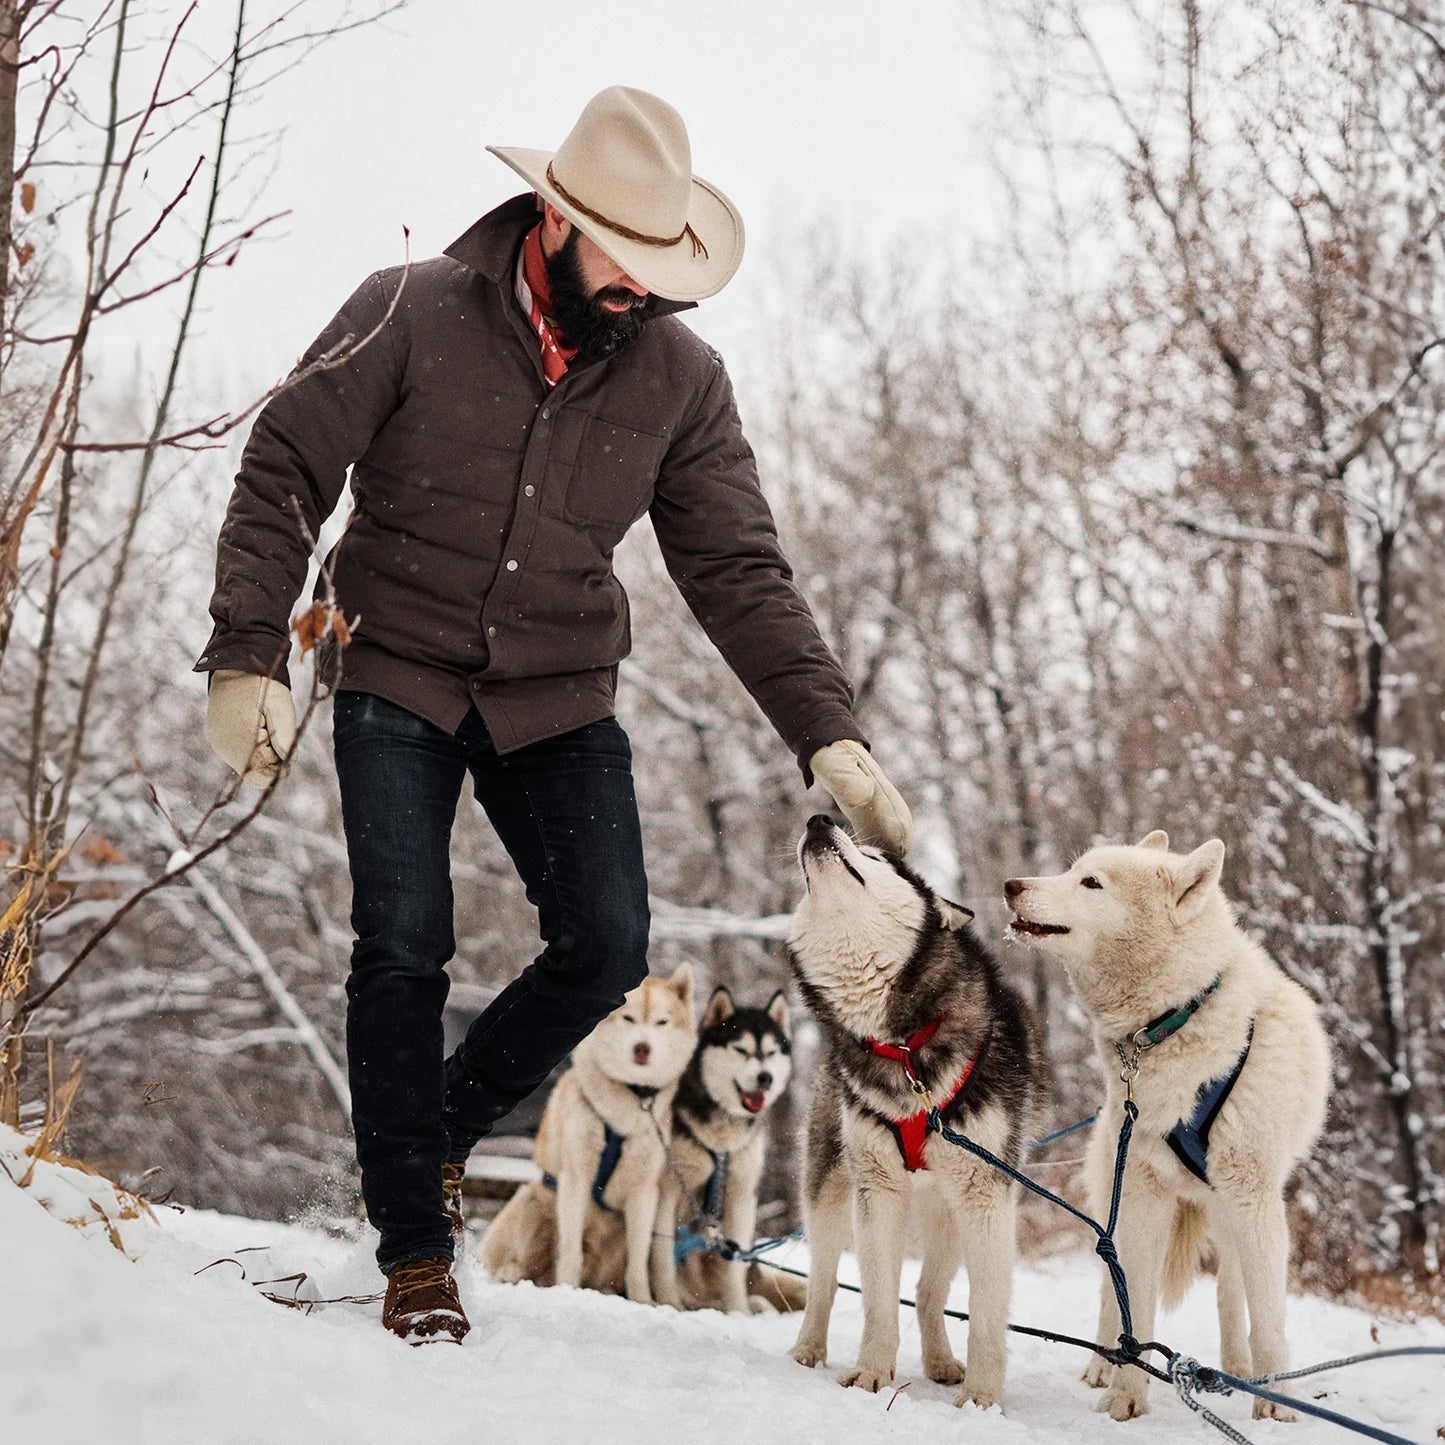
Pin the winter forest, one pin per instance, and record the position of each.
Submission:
(1126, 513)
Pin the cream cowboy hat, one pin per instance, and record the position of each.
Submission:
(624, 178)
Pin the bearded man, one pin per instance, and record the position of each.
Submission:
(508, 411)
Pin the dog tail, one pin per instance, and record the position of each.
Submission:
(1188, 1248)
(784, 1292)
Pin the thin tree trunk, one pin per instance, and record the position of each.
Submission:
(1385, 949)
(9, 79)
(158, 428)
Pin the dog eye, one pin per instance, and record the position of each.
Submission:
(628, 1019)
(1090, 882)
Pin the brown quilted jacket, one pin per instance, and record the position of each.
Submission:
(487, 508)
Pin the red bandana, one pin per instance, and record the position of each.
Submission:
(536, 298)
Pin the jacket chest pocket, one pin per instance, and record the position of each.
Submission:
(613, 476)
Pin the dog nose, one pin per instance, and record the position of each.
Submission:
(765, 1081)
(820, 820)
(1012, 887)
(641, 1053)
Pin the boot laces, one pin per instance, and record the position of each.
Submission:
(422, 1274)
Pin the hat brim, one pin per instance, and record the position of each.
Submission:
(676, 272)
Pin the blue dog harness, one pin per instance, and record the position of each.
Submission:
(691, 1239)
(1189, 1138)
(612, 1143)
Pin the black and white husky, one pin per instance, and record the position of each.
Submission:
(739, 1070)
(907, 999)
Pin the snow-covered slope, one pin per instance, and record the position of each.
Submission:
(97, 1350)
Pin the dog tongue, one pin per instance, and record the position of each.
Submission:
(753, 1102)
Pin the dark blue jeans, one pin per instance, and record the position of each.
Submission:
(566, 811)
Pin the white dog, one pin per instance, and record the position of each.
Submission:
(1233, 1074)
(602, 1145)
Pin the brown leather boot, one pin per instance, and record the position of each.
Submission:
(453, 1172)
(422, 1304)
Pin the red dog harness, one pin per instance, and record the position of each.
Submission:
(912, 1130)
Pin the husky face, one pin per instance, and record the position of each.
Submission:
(861, 918)
(744, 1055)
(1118, 906)
(647, 1042)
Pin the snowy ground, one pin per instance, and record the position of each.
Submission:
(98, 1350)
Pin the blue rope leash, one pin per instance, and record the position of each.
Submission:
(1187, 1375)
(730, 1249)
(1104, 1245)
(1063, 1133)
(1189, 1378)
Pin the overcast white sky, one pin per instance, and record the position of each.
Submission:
(862, 113)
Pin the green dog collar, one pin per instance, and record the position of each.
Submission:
(1170, 1023)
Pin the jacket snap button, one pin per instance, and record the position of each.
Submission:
(491, 632)
(530, 490)
(512, 565)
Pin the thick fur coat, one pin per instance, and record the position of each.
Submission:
(878, 955)
(1142, 931)
(623, 1077)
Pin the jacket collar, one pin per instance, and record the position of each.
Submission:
(489, 247)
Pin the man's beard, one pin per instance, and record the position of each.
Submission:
(581, 317)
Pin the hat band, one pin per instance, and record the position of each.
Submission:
(626, 231)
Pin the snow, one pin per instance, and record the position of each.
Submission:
(100, 1350)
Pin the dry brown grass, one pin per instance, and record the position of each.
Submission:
(44, 1148)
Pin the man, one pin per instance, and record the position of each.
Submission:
(511, 408)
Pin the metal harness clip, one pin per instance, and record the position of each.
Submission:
(905, 1057)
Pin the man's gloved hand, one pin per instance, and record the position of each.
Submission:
(869, 801)
(251, 723)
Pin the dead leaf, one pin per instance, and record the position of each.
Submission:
(310, 626)
(27, 197)
(25, 253)
(99, 852)
(319, 620)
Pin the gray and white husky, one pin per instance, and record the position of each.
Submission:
(903, 990)
(739, 1070)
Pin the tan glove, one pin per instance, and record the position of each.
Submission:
(869, 801)
(251, 723)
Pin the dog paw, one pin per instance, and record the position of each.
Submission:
(984, 1399)
(760, 1305)
(1096, 1373)
(1269, 1410)
(943, 1368)
(1123, 1403)
(865, 1378)
(806, 1353)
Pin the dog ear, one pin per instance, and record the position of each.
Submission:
(719, 1008)
(778, 1010)
(1195, 877)
(954, 915)
(681, 983)
(1157, 839)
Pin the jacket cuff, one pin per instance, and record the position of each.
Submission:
(834, 728)
(264, 656)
